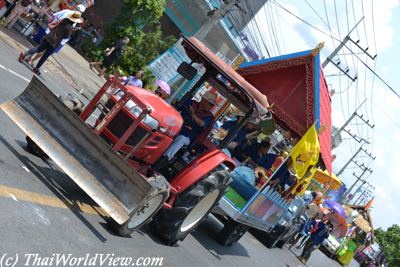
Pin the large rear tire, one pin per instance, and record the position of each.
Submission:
(73, 103)
(144, 213)
(190, 207)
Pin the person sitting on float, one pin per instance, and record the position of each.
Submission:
(196, 117)
(283, 175)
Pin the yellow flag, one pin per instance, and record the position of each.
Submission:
(304, 182)
(305, 152)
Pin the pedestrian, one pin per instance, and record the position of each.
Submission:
(56, 19)
(21, 7)
(112, 55)
(135, 80)
(61, 15)
(319, 233)
(51, 41)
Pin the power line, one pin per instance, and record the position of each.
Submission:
(365, 28)
(317, 29)
(354, 17)
(279, 24)
(317, 13)
(304, 21)
(270, 11)
(376, 74)
(274, 45)
(386, 115)
(329, 25)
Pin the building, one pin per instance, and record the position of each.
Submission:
(187, 16)
(226, 38)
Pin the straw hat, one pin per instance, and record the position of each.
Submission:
(76, 17)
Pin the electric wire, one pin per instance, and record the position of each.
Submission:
(274, 28)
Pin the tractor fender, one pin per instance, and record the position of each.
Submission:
(198, 168)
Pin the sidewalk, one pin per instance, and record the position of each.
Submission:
(68, 63)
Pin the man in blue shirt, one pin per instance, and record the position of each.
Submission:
(242, 134)
(196, 118)
(320, 231)
(258, 153)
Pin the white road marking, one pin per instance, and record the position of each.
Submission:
(14, 197)
(25, 168)
(14, 73)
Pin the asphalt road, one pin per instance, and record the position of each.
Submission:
(44, 212)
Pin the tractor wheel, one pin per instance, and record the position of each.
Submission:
(231, 233)
(73, 103)
(190, 207)
(145, 213)
(280, 244)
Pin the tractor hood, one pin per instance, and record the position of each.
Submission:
(166, 115)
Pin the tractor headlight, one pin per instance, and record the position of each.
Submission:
(135, 110)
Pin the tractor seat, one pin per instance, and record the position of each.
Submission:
(243, 180)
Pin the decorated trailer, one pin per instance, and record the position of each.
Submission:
(300, 100)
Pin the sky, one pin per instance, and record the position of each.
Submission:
(331, 21)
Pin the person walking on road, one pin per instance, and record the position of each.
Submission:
(319, 233)
(51, 41)
(112, 56)
(56, 19)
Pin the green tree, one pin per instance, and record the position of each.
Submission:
(389, 241)
(138, 20)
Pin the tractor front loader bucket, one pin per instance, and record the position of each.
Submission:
(85, 157)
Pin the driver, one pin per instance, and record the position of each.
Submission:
(197, 117)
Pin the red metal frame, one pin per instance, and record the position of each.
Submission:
(92, 104)
(199, 167)
(196, 170)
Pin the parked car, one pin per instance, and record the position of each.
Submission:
(286, 228)
(330, 246)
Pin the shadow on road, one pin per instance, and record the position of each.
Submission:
(210, 228)
(59, 184)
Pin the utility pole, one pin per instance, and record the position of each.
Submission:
(350, 160)
(365, 169)
(214, 19)
(365, 198)
(367, 191)
(363, 182)
(337, 64)
(341, 45)
(355, 114)
(355, 155)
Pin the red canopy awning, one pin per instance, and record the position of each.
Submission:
(296, 87)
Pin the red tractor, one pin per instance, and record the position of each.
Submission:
(139, 127)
